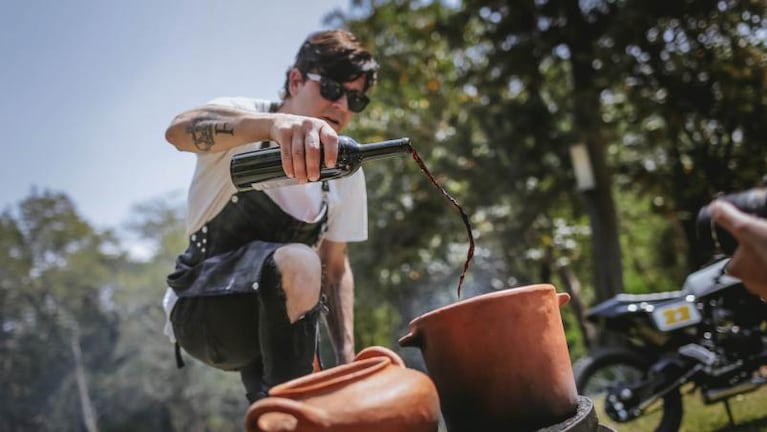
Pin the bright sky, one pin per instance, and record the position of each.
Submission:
(88, 88)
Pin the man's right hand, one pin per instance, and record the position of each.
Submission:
(302, 140)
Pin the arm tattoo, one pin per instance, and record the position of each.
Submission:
(203, 130)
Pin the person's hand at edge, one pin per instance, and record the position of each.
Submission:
(749, 262)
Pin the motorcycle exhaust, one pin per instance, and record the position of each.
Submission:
(718, 395)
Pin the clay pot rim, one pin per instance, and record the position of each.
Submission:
(484, 298)
(330, 378)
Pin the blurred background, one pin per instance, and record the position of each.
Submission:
(581, 137)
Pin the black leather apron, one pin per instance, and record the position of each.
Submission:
(217, 278)
(225, 256)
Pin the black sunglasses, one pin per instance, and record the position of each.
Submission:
(332, 90)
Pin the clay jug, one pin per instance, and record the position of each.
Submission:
(374, 393)
(500, 361)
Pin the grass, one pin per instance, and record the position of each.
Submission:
(749, 412)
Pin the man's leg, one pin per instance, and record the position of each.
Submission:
(252, 377)
(222, 331)
(289, 313)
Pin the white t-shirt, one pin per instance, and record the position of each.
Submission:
(212, 188)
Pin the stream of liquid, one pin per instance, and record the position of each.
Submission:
(455, 204)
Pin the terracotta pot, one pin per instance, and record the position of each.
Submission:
(374, 393)
(499, 361)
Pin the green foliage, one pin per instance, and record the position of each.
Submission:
(54, 292)
(747, 411)
(669, 97)
(657, 247)
(494, 93)
(62, 282)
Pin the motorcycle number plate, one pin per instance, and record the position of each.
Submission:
(675, 315)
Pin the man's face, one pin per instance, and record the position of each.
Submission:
(306, 100)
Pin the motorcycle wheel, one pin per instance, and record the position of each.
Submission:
(596, 372)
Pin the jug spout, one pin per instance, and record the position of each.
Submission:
(563, 298)
(412, 339)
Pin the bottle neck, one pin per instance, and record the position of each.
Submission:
(383, 149)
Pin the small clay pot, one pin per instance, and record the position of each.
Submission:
(374, 393)
(500, 361)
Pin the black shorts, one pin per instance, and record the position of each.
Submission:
(221, 331)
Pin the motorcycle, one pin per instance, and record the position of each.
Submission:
(708, 336)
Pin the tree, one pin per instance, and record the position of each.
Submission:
(81, 343)
(666, 97)
(57, 324)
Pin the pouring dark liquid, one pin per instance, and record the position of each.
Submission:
(470, 252)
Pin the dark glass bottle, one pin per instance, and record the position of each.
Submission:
(262, 169)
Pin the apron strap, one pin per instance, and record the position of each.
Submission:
(179, 360)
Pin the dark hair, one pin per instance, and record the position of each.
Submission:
(336, 54)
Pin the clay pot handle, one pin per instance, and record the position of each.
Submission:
(379, 351)
(412, 339)
(305, 414)
(563, 298)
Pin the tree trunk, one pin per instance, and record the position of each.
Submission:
(573, 287)
(89, 413)
(605, 243)
(606, 252)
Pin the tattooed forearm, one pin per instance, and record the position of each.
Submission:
(204, 130)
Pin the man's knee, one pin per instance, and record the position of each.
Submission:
(301, 272)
